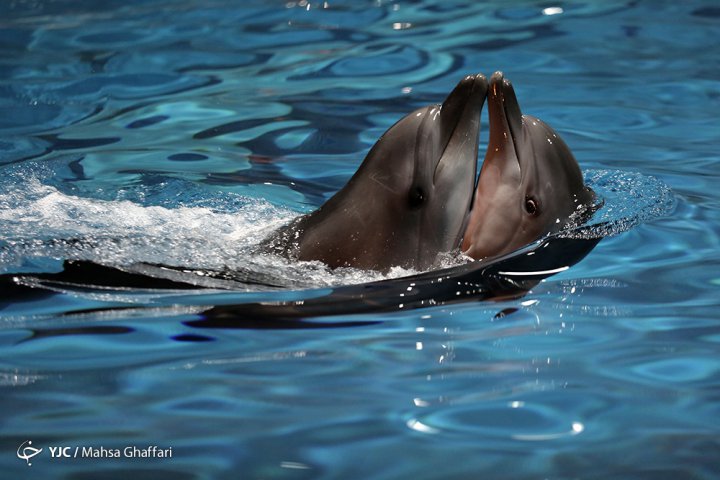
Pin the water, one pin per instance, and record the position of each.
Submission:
(181, 132)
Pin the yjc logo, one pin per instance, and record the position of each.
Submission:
(26, 451)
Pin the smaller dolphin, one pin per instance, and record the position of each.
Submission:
(409, 200)
(530, 184)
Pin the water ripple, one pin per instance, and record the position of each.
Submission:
(163, 123)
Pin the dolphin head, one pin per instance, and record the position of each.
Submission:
(530, 183)
(410, 198)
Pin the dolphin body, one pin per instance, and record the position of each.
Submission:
(414, 196)
(408, 202)
(530, 184)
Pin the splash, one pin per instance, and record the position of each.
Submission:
(625, 200)
(213, 233)
(219, 232)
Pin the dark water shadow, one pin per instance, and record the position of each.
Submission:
(510, 276)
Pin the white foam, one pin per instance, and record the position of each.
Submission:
(40, 221)
(628, 199)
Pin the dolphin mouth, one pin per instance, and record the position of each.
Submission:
(460, 120)
(505, 119)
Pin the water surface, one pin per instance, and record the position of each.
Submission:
(181, 132)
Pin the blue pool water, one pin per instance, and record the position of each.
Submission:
(180, 132)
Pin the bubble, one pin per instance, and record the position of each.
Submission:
(624, 200)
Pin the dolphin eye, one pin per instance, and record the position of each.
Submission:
(532, 207)
(416, 197)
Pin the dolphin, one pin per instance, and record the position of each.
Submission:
(408, 202)
(530, 184)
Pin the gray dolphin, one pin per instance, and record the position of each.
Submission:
(409, 200)
(530, 184)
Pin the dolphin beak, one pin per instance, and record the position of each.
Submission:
(505, 119)
(459, 117)
(466, 98)
(500, 175)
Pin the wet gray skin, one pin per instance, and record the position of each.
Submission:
(409, 200)
(530, 183)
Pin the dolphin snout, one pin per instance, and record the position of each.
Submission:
(504, 112)
(460, 112)
(456, 124)
(472, 88)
